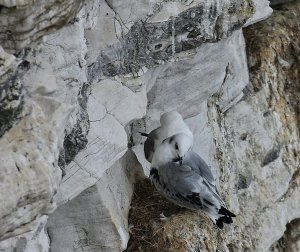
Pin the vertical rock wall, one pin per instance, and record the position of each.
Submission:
(80, 78)
(290, 241)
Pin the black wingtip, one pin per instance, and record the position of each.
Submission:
(144, 134)
(219, 223)
(226, 212)
(224, 219)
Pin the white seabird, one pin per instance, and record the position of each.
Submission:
(183, 177)
(171, 123)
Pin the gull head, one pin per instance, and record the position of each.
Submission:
(180, 144)
(172, 149)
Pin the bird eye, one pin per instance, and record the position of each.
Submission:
(176, 146)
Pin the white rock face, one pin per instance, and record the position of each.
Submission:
(96, 220)
(259, 170)
(86, 76)
(262, 12)
(181, 80)
(6, 61)
(111, 106)
(35, 240)
(31, 148)
(20, 25)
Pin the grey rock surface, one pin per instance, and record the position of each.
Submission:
(290, 241)
(35, 240)
(25, 22)
(162, 35)
(12, 93)
(262, 11)
(96, 220)
(78, 79)
(274, 2)
(255, 153)
(181, 80)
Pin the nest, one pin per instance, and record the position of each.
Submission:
(145, 226)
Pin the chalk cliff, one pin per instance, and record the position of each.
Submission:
(79, 79)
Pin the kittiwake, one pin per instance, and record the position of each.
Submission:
(184, 178)
(171, 123)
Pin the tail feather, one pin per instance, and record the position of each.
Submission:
(226, 212)
(144, 134)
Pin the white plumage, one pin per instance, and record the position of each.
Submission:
(183, 177)
(171, 123)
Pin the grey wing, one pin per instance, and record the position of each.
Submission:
(149, 144)
(181, 179)
(197, 164)
(184, 182)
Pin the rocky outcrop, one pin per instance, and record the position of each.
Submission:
(256, 153)
(32, 145)
(80, 78)
(290, 241)
(274, 2)
(161, 36)
(281, 85)
(12, 91)
(96, 220)
(26, 22)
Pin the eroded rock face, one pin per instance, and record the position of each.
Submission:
(96, 220)
(256, 152)
(77, 100)
(24, 22)
(11, 91)
(160, 37)
(290, 241)
(35, 240)
(38, 113)
(179, 81)
(274, 2)
(31, 149)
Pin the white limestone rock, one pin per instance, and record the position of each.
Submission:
(96, 220)
(181, 81)
(21, 26)
(33, 241)
(164, 40)
(31, 149)
(100, 32)
(64, 52)
(6, 61)
(30, 152)
(111, 106)
(79, 91)
(262, 11)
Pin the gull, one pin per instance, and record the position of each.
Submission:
(184, 178)
(171, 123)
